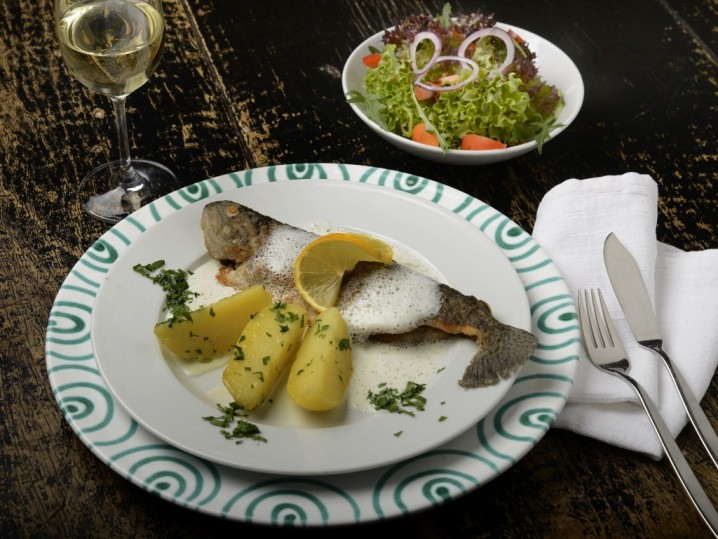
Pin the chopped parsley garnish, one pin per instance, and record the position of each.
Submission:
(391, 400)
(321, 329)
(344, 344)
(283, 317)
(244, 429)
(234, 414)
(174, 283)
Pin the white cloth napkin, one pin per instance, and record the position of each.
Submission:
(572, 222)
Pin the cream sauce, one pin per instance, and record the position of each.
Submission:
(390, 300)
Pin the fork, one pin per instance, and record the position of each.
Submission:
(606, 352)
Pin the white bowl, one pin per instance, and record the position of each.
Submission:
(554, 66)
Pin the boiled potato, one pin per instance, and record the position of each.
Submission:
(266, 347)
(215, 328)
(320, 374)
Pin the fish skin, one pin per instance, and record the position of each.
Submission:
(234, 233)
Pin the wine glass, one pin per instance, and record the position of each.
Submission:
(112, 47)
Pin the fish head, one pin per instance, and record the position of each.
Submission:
(233, 232)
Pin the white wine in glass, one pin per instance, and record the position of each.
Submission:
(113, 47)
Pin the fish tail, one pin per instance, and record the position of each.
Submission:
(501, 353)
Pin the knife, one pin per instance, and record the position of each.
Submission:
(633, 297)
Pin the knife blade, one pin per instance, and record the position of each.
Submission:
(630, 289)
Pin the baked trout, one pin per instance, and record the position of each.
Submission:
(386, 302)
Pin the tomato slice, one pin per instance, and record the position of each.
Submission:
(478, 142)
(420, 134)
(372, 60)
(422, 94)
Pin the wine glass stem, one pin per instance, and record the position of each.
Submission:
(127, 176)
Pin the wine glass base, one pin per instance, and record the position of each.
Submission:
(105, 199)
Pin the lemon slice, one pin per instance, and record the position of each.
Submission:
(319, 268)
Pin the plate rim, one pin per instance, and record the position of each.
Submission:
(478, 456)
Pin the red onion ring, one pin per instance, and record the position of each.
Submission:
(464, 60)
(495, 32)
(421, 36)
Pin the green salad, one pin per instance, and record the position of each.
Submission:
(458, 83)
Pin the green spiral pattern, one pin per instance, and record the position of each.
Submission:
(170, 473)
(499, 440)
(294, 502)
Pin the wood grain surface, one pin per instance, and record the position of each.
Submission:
(255, 83)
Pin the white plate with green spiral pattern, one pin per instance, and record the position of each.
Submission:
(503, 436)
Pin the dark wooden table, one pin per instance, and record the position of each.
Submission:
(255, 83)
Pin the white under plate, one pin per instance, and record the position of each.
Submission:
(482, 449)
